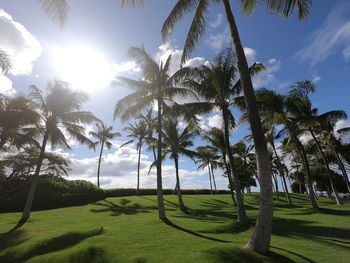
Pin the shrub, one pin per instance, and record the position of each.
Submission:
(52, 192)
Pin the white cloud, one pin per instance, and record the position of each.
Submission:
(340, 125)
(217, 41)
(218, 21)
(6, 86)
(332, 36)
(250, 55)
(215, 121)
(22, 47)
(267, 76)
(129, 67)
(316, 79)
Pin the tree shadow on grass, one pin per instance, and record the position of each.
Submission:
(169, 223)
(48, 246)
(240, 255)
(122, 208)
(89, 255)
(11, 239)
(233, 228)
(327, 235)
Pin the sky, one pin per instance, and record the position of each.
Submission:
(90, 50)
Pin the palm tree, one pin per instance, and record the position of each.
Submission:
(5, 62)
(56, 9)
(103, 134)
(138, 132)
(60, 112)
(205, 158)
(156, 86)
(176, 143)
(151, 125)
(216, 140)
(218, 86)
(260, 240)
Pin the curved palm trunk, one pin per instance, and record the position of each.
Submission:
(260, 241)
(230, 181)
(212, 174)
(211, 185)
(99, 165)
(30, 197)
(161, 208)
(138, 171)
(178, 189)
(341, 167)
(242, 217)
(276, 186)
(281, 172)
(307, 173)
(324, 158)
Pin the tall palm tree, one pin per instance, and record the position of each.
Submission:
(218, 85)
(151, 125)
(260, 240)
(60, 111)
(176, 143)
(103, 134)
(156, 86)
(138, 132)
(206, 157)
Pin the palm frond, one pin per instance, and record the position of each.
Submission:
(56, 9)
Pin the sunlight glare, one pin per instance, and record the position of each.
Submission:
(85, 68)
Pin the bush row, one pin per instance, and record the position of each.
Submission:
(55, 192)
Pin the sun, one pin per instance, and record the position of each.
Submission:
(84, 67)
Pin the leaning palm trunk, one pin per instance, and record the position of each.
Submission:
(138, 171)
(341, 167)
(307, 173)
(212, 174)
(276, 186)
(260, 241)
(211, 185)
(178, 189)
(281, 172)
(239, 197)
(324, 158)
(99, 165)
(30, 197)
(161, 208)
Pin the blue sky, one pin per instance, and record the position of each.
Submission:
(98, 33)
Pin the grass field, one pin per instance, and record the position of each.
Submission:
(127, 230)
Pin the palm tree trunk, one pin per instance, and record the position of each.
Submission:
(229, 180)
(138, 171)
(260, 241)
(99, 165)
(242, 217)
(211, 186)
(281, 171)
(307, 173)
(212, 174)
(324, 158)
(276, 186)
(30, 197)
(341, 167)
(161, 208)
(178, 189)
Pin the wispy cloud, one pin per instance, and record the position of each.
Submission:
(332, 36)
(218, 20)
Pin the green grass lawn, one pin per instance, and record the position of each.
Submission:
(127, 230)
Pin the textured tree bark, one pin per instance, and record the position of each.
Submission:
(211, 186)
(242, 217)
(212, 174)
(276, 186)
(99, 165)
(230, 180)
(30, 197)
(161, 209)
(341, 167)
(326, 163)
(178, 189)
(260, 240)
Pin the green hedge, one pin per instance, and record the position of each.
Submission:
(52, 192)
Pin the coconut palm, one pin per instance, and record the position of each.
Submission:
(156, 86)
(5, 62)
(176, 143)
(218, 85)
(103, 134)
(151, 125)
(60, 113)
(260, 240)
(206, 157)
(56, 9)
(216, 140)
(138, 132)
